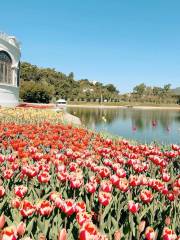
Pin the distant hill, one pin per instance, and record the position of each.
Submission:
(176, 91)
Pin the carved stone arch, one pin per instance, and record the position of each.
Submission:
(5, 68)
(5, 56)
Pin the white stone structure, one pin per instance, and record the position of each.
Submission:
(9, 70)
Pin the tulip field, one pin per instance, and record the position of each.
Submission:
(60, 182)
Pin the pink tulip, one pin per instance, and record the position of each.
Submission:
(168, 221)
(2, 220)
(141, 226)
(21, 228)
(62, 234)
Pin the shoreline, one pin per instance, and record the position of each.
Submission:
(125, 107)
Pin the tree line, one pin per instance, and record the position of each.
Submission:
(158, 95)
(47, 85)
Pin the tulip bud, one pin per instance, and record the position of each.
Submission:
(62, 234)
(117, 235)
(156, 235)
(41, 237)
(168, 221)
(21, 228)
(2, 220)
(141, 226)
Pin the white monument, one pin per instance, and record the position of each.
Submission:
(9, 70)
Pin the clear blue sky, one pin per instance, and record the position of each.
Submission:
(112, 41)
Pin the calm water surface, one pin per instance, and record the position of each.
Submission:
(145, 126)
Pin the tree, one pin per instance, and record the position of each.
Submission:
(139, 89)
(148, 91)
(157, 91)
(71, 76)
(111, 88)
(167, 88)
(37, 92)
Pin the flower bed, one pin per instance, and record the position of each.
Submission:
(61, 182)
(37, 105)
(30, 115)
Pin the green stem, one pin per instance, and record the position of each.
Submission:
(74, 193)
(100, 218)
(91, 200)
(65, 222)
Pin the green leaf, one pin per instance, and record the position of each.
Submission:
(107, 210)
(115, 223)
(30, 226)
(9, 222)
(88, 204)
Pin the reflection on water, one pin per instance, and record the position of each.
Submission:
(142, 125)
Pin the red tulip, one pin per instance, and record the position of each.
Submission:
(63, 176)
(73, 166)
(177, 183)
(123, 185)
(104, 198)
(88, 231)
(2, 191)
(9, 233)
(104, 171)
(68, 206)
(150, 233)
(54, 195)
(59, 202)
(168, 234)
(15, 203)
(121, 173)
(44, 208)
(44, 177)
(175, 147)
(106, 186)
(20, 191)
(171, 196)
(146, 196)
(166, 176)
(11, 158)
(27, 209)
(83, 217)
(8, 173)
(134, 181)
(31, 171)
(2, 158)
(76, 183)
(114, 179)
(133, 207)
(80, 206)
(91, 187)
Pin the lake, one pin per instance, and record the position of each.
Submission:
(143, 125)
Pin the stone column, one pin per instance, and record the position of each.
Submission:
(14, 76)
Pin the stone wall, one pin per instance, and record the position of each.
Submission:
(9, 92)
(9, 96)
